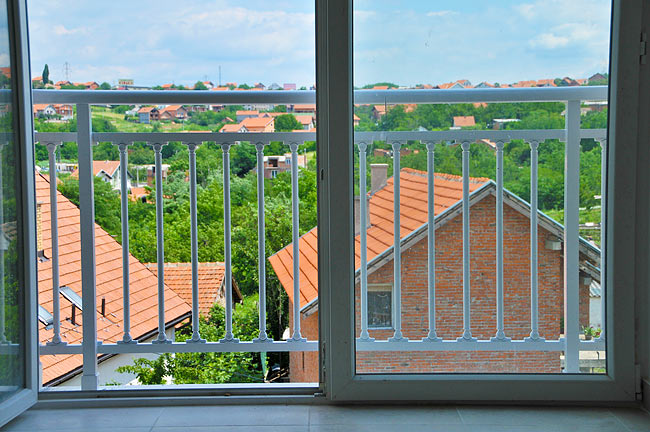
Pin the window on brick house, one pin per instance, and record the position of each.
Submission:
(380, 306)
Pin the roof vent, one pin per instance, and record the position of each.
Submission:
(45, 317)
(71, 296)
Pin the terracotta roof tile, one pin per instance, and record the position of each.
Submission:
(144, 285)
(413, 205)
(178, 276)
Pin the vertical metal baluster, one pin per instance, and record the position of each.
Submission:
(397, 247)
(196, 335)
(295, 228)
(500, 334)
(54, 229)
(571, 238)
(89, 376)
(261, 244)
(603, 240)
(363, 248)
(3, 336)
(124, 176)
(534, 296)
(467, 298)
(227, 246)
(160, 245)
(431, 246)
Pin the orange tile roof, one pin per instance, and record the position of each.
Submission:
(171, 108)
(109, 167)
(247, 112)
(178, 276)
(220, 88)
(304, 107)
(144, 285)
(464, 121)
(304, 119)
(256, 123)
(146, 109)
(413, 212)
(236, 127)
(137, 193)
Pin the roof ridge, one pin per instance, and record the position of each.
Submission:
(445, 175)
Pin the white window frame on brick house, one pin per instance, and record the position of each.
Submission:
(382, 288)
(336, 241)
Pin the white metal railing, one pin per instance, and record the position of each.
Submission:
(85, 137)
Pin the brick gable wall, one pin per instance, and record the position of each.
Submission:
(449, 300)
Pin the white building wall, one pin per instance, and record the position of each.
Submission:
(595, 312)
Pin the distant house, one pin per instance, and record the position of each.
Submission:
(110, 172)
(208, 84)
(464, 121)
(274, 86)
(231, 84)
(221, 88)
(501, 123)
(62, 83)
(380, 87)
(173, 112)
(307, 121)
(44, 110)
(596, 78)
(378, 111)
(457, 85)
(168, 86)
(303, 109)
(244, 114)
(212, 286)
(273, 165)
(65, 111)
(259, 124)
(148, 114)
(483, 85)
(355, 120)
(289, 86)
(235, 127)
(260, 86)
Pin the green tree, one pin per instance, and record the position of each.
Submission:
(104, 86)
(207, 368)
(200, 86)
(46, 74)
(287, 123)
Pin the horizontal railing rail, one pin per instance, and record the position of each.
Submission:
(570, 343)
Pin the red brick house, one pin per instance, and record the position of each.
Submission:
(173, 112)
(449, 321)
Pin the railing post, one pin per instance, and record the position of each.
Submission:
(363, 241)
(124, 198)
(397, 247)
(160, 245)
(225, 148)
(295, 229)
(54, 228)
(261, 244)
(534, 296)
(196, 335)
(89, 377)
(603, 237)
(467, 297)
(571, 238)
(500, 335)
(431, 243)
(3, 335)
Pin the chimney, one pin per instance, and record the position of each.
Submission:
(378, 177)
(357, 214)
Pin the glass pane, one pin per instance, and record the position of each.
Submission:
(12, 349)
(470, 197)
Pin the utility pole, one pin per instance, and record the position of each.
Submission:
(66, 71)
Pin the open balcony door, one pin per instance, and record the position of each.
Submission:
(18, 303)
(339, 373)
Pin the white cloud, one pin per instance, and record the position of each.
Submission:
(440, 13)
(61, 30)
(549, 41)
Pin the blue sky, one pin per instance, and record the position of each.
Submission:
(406, 42)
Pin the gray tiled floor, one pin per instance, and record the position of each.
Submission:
(294, 418)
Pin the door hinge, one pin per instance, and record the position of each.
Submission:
(643, 47)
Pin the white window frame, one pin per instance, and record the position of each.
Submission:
(336, 233)
(383, 287)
